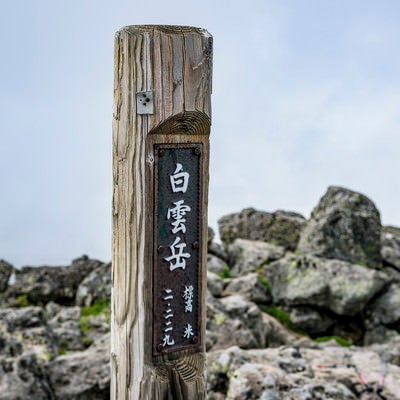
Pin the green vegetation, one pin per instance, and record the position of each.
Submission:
(23, 301)
(343, 342)
(85, 326)
(283, 317)
(62, 352)
(98, 307)
(226, 273)
(264, 281)
(86, 341)
(280, 315)
(219, 319)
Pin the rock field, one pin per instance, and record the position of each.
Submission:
(296, 309)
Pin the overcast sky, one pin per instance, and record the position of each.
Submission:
(306, 94)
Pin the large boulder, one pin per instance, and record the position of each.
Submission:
(334, 285)
(6, 270)
(391, 246)
(345, 225)
(281, 228)
(39, 285)
(246, 256)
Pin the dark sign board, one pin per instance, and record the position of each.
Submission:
(177, 258)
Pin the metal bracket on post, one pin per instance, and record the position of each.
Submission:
(144, 102)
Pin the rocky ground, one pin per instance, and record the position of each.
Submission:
(296, 309)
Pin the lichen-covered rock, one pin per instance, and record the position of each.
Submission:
(250, 287)
(247, 255)
(39, 285)
(391, 246)
(335, 285)
(6, 270)
(345, 225)
(95, 286)
(281, 228)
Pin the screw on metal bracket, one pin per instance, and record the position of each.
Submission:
(159, 348)
(144, 102)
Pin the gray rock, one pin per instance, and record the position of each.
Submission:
(392, 273)
(283, 373)
(386, 309)
(281, 228)
(276, 334)
(322, 390)
(215, 248)
(247, 255)
(6, 270)
(40, 285)
(250, 287)
(51, 310)
(214, 284)
(250, 333)
(65, 326)
(24, 377)
(391, 246)
(233, 321)
(25, 330)
(82, 375)
(335, 285)
(345, 225)
(311, 321)
(210, 235)
(252, 381)
(95, 286)
(379, 334)
(216, 264)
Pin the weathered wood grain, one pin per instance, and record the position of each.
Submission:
(176, 63)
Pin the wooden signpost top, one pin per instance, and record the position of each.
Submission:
(161, 126)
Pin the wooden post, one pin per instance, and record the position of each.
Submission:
(161, 126)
